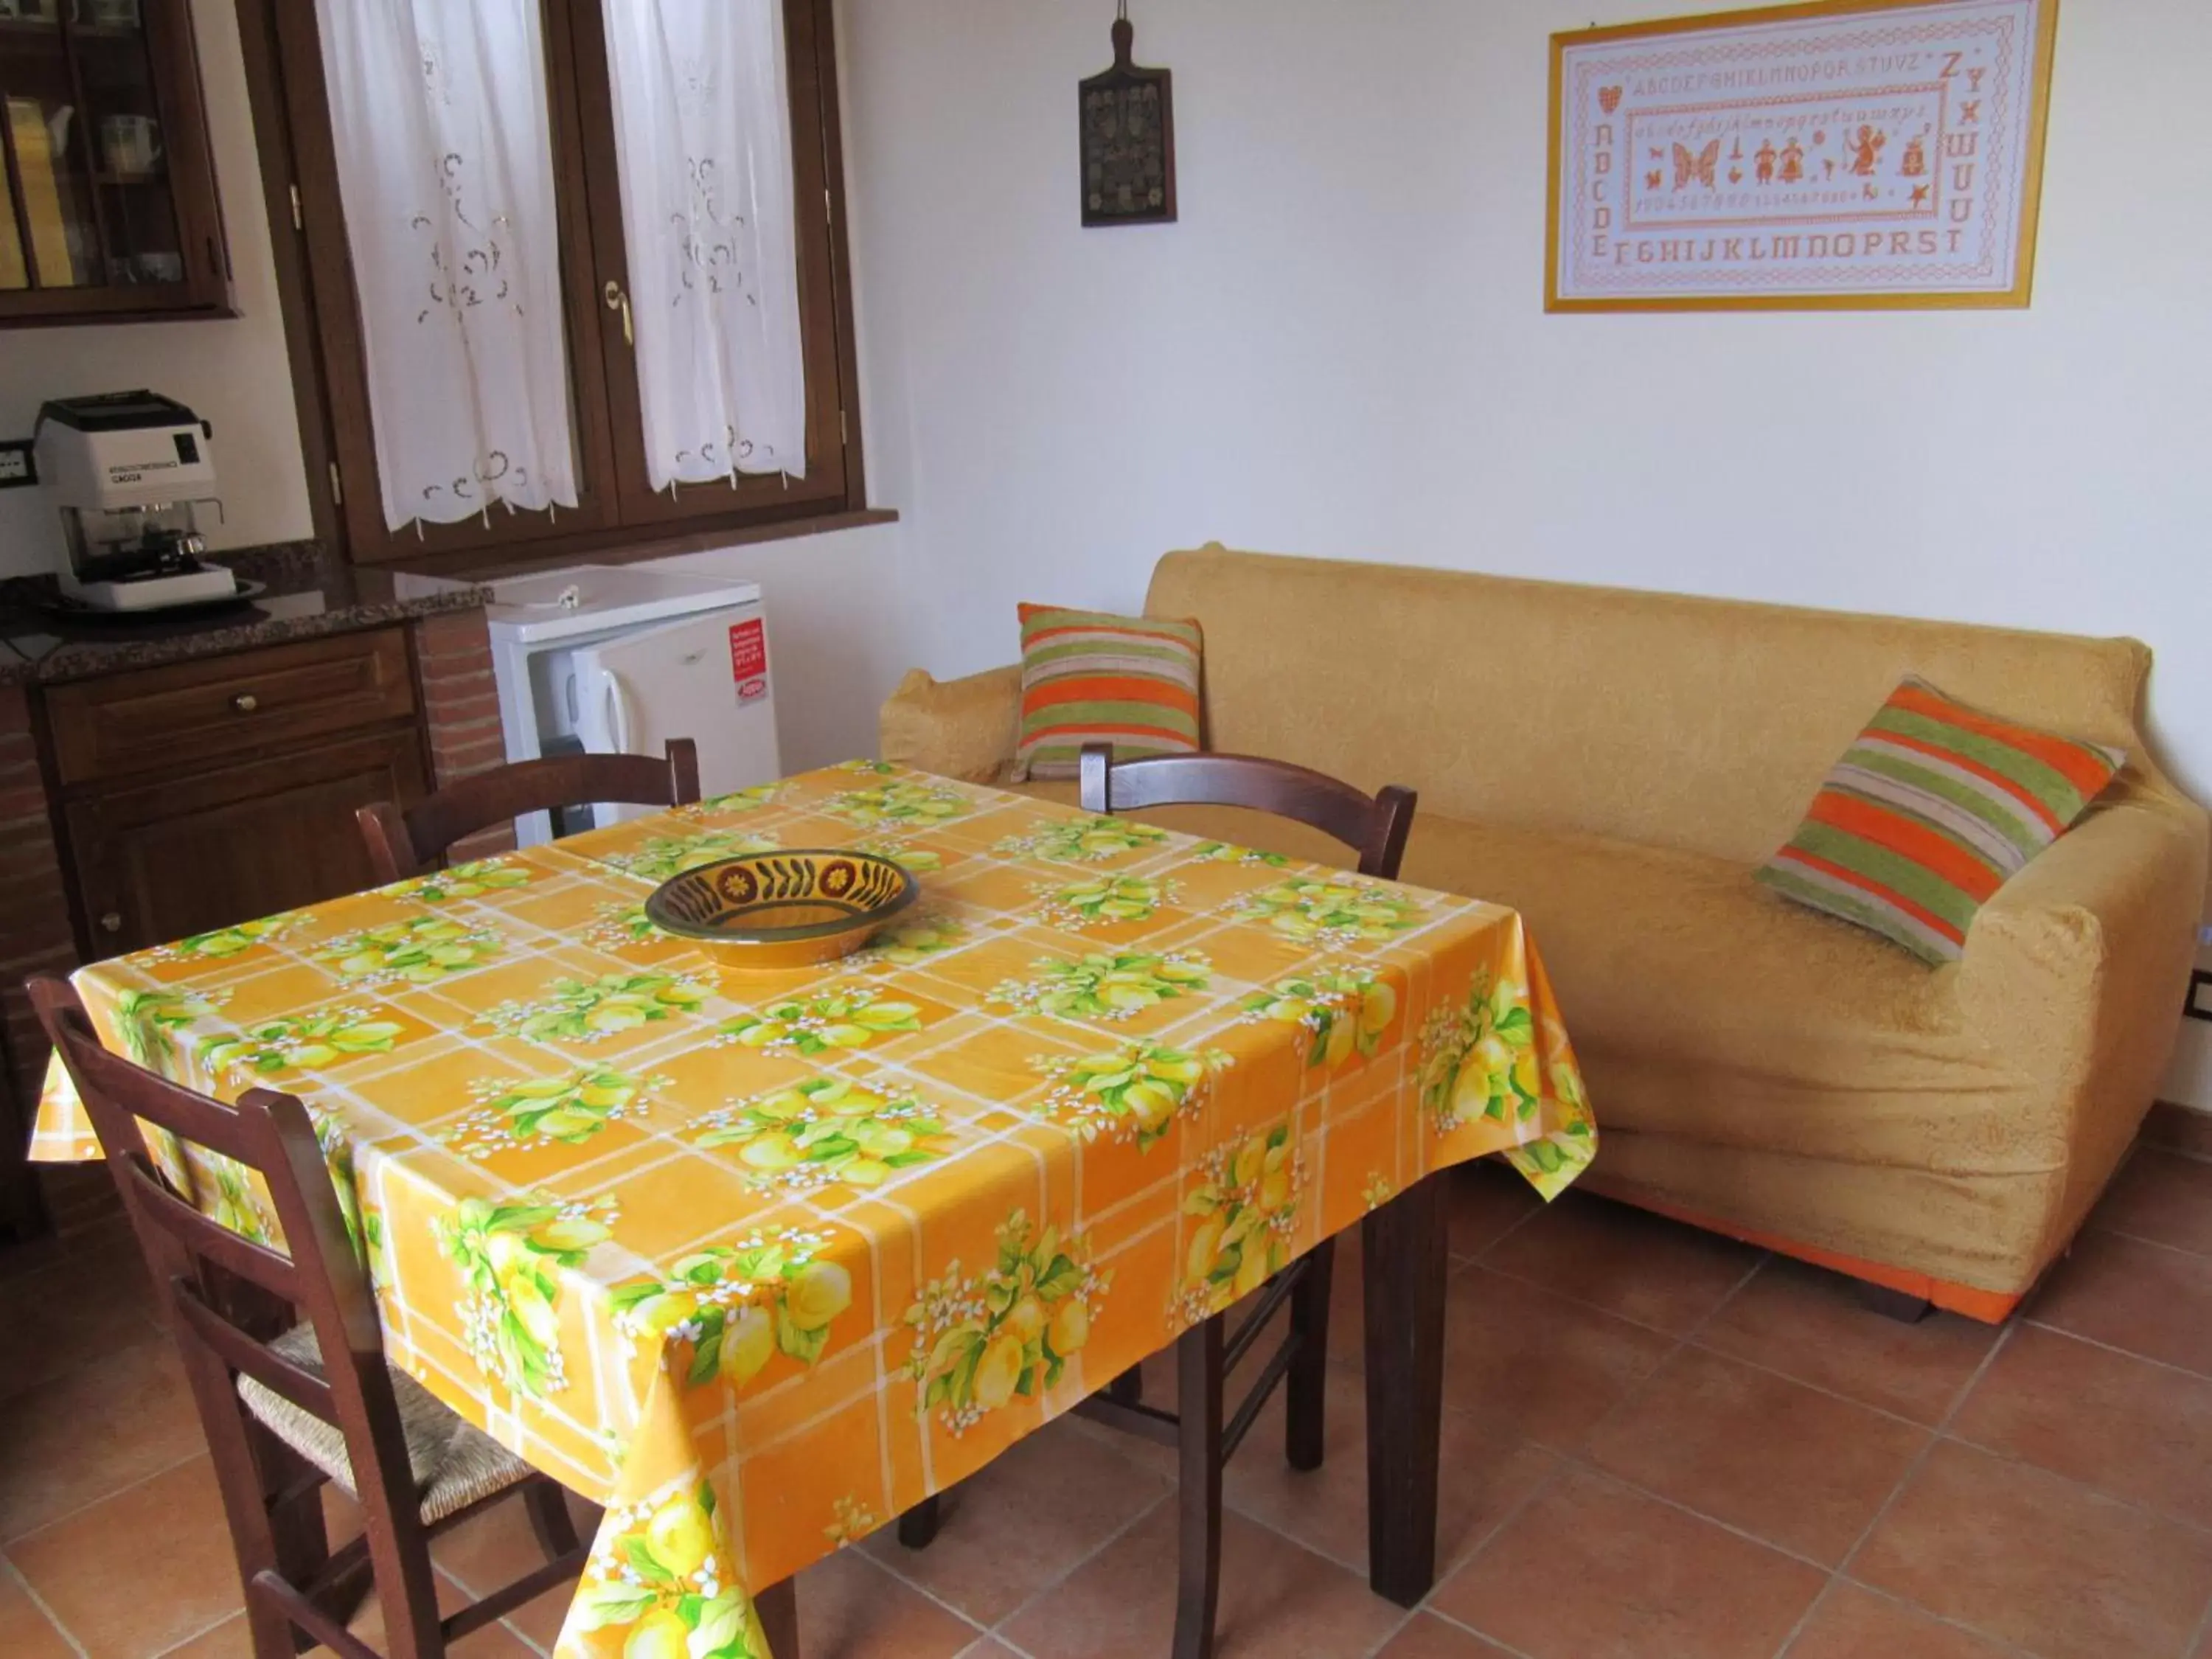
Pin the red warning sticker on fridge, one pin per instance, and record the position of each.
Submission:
(748, 659)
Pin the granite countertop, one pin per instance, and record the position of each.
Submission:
(310, 594)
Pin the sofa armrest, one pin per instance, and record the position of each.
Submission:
(965, 728)
(2083, 957)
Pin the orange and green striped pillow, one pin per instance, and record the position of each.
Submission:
(1931, 810)
(1090, 677)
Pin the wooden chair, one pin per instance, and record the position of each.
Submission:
(1205, 1435)
(406, 841)
(283, 1416)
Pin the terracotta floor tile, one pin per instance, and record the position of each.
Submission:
(231, 1639)
(1592, 1570)
(69, 1315)
(100, 1440)
(80, 1438)
(2039, 1560)
(1550, 1367)
(1801, 1469)
(851, 1608)
(1427, 1636)
(1027, 1519)
(1483, 1201)
(2163, 1197)
(1810, 1324)
(494, 1641)
(2146, 1298)
(1625, 1260)
(1852, 1623)
(2179, 1129)
(1277, 1601)
(495, 1548)
(2124, 1426)
(1485, 1469)
(181, 1574)
(25, 1632)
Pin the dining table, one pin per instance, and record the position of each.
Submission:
(758, 1260)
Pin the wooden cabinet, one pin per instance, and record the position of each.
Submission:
(108, 209)
(166, 860)
(202, 794)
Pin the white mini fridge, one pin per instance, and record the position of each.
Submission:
(617, 660)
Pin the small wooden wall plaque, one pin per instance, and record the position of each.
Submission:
(1129, 141)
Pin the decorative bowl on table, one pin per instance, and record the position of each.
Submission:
(782, 909)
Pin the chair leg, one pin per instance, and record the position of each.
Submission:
(917, 1528)
(269, 1630)
(777, 1609)
(548, 1517)
(1128, 1389)
(1306, 1387)
(1198, 1475)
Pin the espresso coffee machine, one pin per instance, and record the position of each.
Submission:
(129, 473)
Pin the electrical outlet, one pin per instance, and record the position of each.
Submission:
(17, 467)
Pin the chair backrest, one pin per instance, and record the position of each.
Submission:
(1374, 826)
(403, 842)
(218, 1286)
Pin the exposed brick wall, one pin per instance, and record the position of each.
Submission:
(35, 937)
(461, 699)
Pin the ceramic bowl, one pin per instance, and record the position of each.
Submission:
(781, 910)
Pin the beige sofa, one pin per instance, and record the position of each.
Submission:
(1614, 764)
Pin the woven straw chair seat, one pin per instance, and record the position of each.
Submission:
(454, 1463)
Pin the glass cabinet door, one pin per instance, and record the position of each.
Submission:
(106, 172)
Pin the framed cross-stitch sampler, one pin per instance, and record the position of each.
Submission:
(1843, 155)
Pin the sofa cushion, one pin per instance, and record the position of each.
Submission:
(1701, 724)
(1933, 808)
(1090, 677)
(1704, 1006)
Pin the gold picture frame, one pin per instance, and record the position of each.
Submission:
(1697, 169)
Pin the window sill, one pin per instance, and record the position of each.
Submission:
(624, 547)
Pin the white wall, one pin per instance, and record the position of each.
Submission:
(233, 373)
(1341, 349)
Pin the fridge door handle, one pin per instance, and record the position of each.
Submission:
(617, 705)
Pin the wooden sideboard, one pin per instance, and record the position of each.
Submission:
(202, 793)
(150, 804)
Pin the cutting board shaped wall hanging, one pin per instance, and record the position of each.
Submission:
(1129, 139)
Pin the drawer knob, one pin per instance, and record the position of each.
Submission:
(111, 922)
(246, 702)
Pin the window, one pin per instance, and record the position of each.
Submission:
(603, 399)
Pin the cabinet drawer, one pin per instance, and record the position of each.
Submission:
(189, 714)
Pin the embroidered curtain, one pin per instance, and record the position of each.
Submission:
(702, 139)
(446, 171)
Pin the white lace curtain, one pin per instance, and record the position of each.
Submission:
(702, 136)
(445, 169)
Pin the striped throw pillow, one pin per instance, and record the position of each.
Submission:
(1929, 811)
(1089, 677)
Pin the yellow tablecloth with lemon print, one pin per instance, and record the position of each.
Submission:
(759, 1261)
